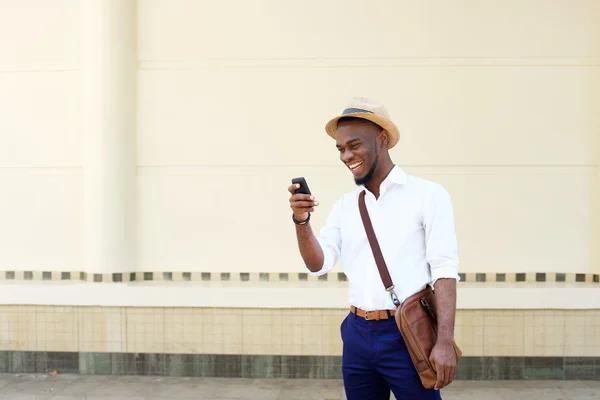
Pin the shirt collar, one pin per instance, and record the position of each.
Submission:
(396, 177)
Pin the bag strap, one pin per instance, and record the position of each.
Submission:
(379, 260)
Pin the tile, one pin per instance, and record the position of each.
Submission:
(41, 362)
(580, 368)
(561, 277)
(543, 368)
(521, 277)
(470, 368)
(222, 365)
(500, 277)
(503, 368)
(540, 277)
(480, 277)
(4, 362)
(187, 276)
(117, 277)
(261, 366)
(332, 367)
(22, 362)
(597, 369)
(302, 367)
(95, 363)
(150, 364)
(62, 362)
(123, 364)
(579, 277)
(462, 276)
(181, 365)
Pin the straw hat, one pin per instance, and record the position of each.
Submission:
(361, 107)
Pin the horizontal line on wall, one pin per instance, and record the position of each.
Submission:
(433, 169)
(370, 62)
(39, 67)
(250, 278)
(41, 170)
(248, 169)
(324, 63)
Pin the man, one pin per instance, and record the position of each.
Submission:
(414, 224)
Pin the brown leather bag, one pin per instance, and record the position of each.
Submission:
(415, 317)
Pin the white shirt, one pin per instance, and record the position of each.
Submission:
(414, 224)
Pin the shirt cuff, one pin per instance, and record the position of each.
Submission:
(449, 271)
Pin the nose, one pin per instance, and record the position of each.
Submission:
(346, 155)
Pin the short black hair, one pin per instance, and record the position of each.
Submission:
(357, 119)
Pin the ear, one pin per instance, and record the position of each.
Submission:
(384, 138)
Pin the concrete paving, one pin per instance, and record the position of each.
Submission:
(71, 387)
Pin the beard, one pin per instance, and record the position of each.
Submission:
(367, 178)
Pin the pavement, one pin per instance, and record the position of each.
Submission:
(95, 387)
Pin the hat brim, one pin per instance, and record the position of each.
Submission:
(389, 126)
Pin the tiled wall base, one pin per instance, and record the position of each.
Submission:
(272, 332)
(261, 366)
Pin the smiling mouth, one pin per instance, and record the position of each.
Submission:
(356, 167)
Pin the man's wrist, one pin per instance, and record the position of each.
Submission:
(444, 340)
(305, 222)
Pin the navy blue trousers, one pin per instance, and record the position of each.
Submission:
(375, 361)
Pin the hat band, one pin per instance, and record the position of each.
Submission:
(356, 110)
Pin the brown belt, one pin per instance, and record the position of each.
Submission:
(374, 315)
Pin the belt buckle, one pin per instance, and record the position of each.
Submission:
(377, 317)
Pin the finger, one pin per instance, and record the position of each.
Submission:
(304, 204)
(452, 375)
(441, 378)
(292, 188)
(447, 375)
(304, 197)
(301, 197)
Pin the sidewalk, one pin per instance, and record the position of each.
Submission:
(71, 387)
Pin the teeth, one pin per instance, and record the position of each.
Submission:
(352, 166)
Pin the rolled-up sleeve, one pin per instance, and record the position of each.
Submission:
(440, 235)
(330, 239)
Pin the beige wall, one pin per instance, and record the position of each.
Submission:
(40, 135)
(496, 101)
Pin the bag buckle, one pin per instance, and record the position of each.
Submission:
(393, 295)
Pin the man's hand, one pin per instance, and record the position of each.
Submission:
(309, 246)
(301, 204)
(444, 360)
(443, 355)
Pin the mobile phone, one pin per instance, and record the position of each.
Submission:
(303, 185)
